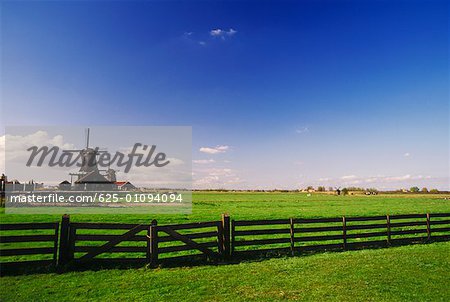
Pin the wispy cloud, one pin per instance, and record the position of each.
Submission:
(216, 178)
(302, 130)
(214, 150)
(203, 161)
(348, 177)
(407, 154)
(220, 33)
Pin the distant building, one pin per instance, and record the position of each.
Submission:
(125, 186)
(64, 185)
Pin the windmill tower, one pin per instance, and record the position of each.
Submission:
(89, 176)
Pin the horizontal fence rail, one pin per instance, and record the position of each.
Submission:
(69, 243)
(28, 244)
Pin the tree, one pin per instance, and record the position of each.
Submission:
(310, 188)
(414, 190)
(434, 191)
(321, 189)
(424, 190)
(344, 191)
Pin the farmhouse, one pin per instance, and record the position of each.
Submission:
(125, 185)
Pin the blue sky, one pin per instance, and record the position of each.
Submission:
(279, 94)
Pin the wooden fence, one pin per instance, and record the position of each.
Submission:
(24, 239)
(298, 234)
(69, 243)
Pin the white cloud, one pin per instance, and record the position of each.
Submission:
(216, 178)
(221, 33)
(202, 43)
(406, 154)
(397, 178)
(348, 177)
(302, 130)
(203, 161)
(214, 150)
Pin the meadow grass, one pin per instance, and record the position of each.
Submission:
(408, 273)
(210, 205)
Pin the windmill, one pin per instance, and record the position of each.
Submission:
(89, 174)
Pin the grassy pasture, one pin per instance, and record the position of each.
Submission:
(209, 205)
(408, 273)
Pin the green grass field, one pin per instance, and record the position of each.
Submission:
(409, 273)
(418, 273)
(209, 206)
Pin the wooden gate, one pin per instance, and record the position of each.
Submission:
(81, 242)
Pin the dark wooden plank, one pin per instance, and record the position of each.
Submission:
(408, 232)
(25, 263)
(317, 220)
(115, 249)
(103, 225)
(192, 225)
(27, 251)
(440, 237)
(257, 251)
(368, 218)
(262, 251)
(316, 247)
(262, 241)
(190, 236)
(366, 235)
(408, 216)
(319, 229)
(408, 240)
(367, 226)
(367, 243)
(179, 248)
(437, 230)
(435, 222)
(318, 238)
(28, 226)
(407, 224)
(440, 215)
(112, 261)
(101, 237)
(261, 232)
(27, 238)
(261, 222)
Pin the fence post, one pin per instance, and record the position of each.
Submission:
(233, 227)
(428, 227)
(64, 246)
(388, 226)
(344, 232)
(226, 236)
(291, 227)
(153, 243)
